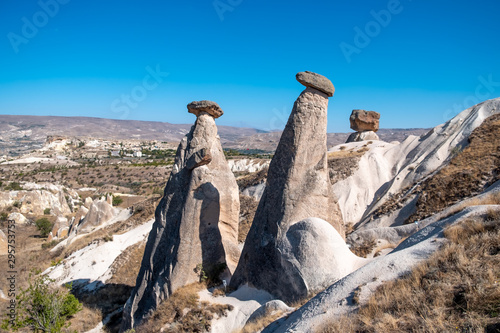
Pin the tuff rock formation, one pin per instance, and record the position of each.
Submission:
(196, 222)
(362, 136)
(365, 123)
(60, 223)
(297, 188)
(100, 212)
(3, 243)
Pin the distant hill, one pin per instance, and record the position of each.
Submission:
(21, 134)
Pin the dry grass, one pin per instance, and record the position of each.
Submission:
(252, 179)
(456, 290)
(126, 266)
(468, 173)
(490, 199)
(85, 320)
(248, 207)
(342, 153)
(260, 323)
(182, 312)
(364, 248)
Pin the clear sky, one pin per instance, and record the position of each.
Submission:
(416, 62)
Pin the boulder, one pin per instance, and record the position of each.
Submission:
(18, 217)
(270, 308)
(363, 136)
(316, 81)
(212, 108)
(362, 120)
(196, 222)
(298, 187)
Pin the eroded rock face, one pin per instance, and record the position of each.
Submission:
(60, 223)
(298, 187)
(196, 222)
(362, 120)
(36, 201)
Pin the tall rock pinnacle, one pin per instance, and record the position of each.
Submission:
(196, 222)
(297, 188)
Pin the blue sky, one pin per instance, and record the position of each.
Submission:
(416, 62)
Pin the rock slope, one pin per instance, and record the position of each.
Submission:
(388, 168)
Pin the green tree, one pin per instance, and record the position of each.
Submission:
(44, 307)
(44, 226)
(117, 200)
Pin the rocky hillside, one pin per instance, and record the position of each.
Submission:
(22, 134)
(321, 231)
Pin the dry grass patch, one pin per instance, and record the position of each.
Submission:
(457, 289)
(252, 179)
(85, 320)
(468, 173)
(126, 266)
(261, 323)
(364, 248)
(248, 207)
(182, 312)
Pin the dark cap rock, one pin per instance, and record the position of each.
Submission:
(316, 81)
(209, 107)
(362, 120)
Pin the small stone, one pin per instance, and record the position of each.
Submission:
(316, 81)
(212, 108)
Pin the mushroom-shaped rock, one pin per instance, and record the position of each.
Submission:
(298, 187)
(196, 222)
(316, 81)
(362, 120)
(212, 108)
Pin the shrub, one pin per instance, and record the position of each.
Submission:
(4, 216)
(117, 200)
(43, 307)
(50, 245)
(16, 204)
(14, 186)
(46, 211)
(44, 226)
